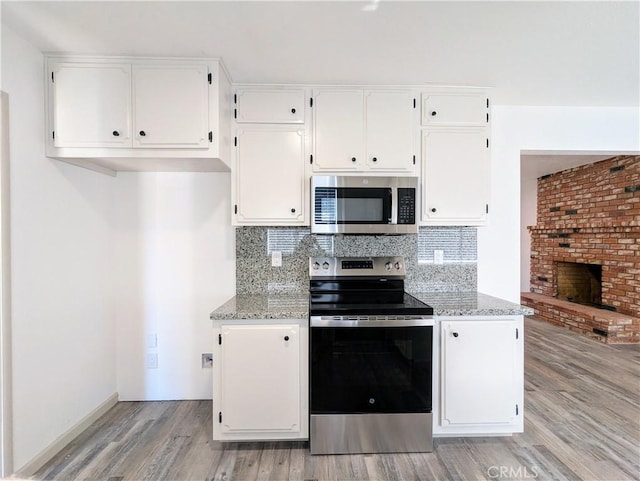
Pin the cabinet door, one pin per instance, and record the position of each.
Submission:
(270, 176)
(390, 125)
(455, 176)
(270, 106)
(338, 130)
(260, 388)
(171, 106)
(91, 105)
(459, 108)
(478, 372)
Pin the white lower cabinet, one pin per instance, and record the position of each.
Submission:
(480, 367)
(260, 380)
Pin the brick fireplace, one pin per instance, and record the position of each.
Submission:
(585, 250)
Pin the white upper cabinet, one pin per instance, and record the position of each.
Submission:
(270, 172)
(270, 106)
(390, 121)
(455, 156)
(364, 130)
(338, 130)
(455, 107)
(455, 176)
(138, 114)
(171, 106)
(270, 184)
(92, 105)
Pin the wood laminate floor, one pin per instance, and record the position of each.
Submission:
(582, 422)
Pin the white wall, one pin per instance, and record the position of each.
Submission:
(175, 262)
(518, 128)
(63, 330)
(528, 216)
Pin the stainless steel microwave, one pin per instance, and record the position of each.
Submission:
(363, 205)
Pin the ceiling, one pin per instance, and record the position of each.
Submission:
(533, 53)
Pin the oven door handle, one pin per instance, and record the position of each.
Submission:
(371, 321)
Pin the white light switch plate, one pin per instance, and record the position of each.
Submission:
(276, 258)
(438, 257)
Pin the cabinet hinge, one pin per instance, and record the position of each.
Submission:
(311, 159)
(52, 77)
(209, 78)
(516, 333)
(310, 101)
(486, 208)
(235, 211)
(414, 160)
(220, 335)
(235, 113)
(487, 103)
(516, 409)
(414, 103)
(235, 141)
(220, 417)
(487, 143)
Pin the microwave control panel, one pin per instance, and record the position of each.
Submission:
(406, 206)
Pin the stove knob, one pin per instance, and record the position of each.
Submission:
(325, 266)
(397, 265)
(316, 266)
(388, 266)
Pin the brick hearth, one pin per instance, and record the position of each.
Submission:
(600, 324)
(590, 214)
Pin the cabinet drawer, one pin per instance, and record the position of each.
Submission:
(270, 106)
(442, 108)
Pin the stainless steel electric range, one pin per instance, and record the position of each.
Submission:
(370, 358)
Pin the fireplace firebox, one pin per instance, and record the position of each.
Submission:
(579, 283)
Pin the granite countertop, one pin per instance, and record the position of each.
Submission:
(270, 306)
(296, 306)
(470, 304)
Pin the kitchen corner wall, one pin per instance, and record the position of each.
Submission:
(62, 328)
(174, 263)
(255, 275)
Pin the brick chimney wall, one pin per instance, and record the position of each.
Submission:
(591, 214)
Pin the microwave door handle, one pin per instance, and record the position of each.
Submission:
(394, 206)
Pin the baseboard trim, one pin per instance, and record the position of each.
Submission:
(44, 456)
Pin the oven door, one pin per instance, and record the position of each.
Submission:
(370, 383)
(381, 369)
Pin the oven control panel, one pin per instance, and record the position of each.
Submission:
(356, 266)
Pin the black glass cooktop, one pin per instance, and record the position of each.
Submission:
(367, 304)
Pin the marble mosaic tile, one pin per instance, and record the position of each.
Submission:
(459, 244)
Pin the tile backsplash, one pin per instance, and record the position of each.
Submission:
(255, 275)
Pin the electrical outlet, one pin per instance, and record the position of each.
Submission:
(438, 256)
(207, 360)
(152, 360)
(276, 258)
(152, 340)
